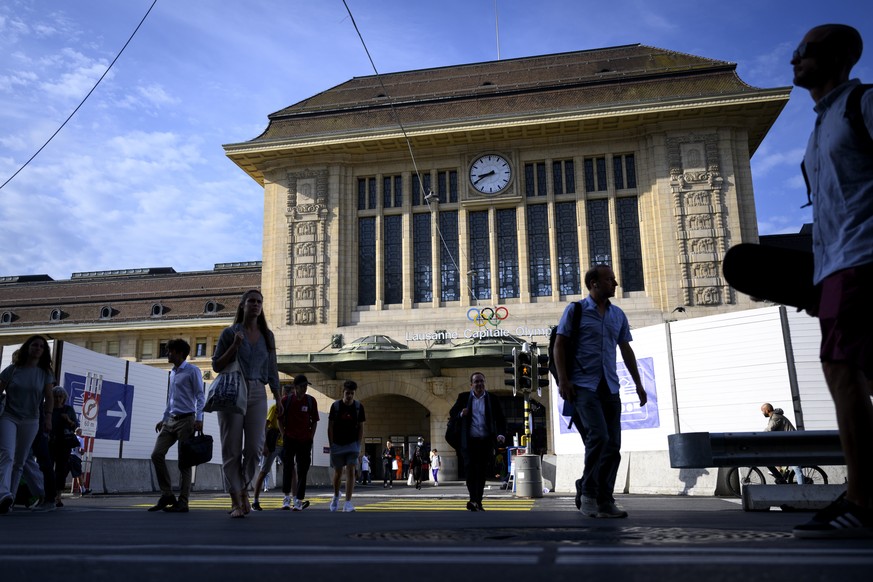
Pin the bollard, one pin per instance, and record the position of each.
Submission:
(528, 476)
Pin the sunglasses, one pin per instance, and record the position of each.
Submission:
(809, 50)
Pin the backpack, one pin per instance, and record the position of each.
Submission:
(571, 348)
(855, 117)
(335, 408)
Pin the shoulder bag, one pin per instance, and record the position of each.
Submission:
(228, 392)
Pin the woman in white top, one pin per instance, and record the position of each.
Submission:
(435, 462)
(27, 384)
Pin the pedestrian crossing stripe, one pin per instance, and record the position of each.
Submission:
(370, 504)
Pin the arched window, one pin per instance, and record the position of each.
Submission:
(6, 317)
(105, 312)
(157, 310)
(210, 307)
(56, 315)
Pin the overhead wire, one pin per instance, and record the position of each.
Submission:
(428, 196)
(106, 72)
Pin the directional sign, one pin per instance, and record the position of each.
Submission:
(112, 410)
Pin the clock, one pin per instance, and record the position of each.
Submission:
(490, 174)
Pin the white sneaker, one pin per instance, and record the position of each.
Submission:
(348, 507)
(334, 504)
(436, 484)
(286, 503)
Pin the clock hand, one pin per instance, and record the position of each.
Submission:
(481, 176)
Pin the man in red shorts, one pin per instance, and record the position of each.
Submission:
(838, 165)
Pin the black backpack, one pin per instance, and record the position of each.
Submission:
(571, 348)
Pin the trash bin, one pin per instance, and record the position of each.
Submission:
(528, 476)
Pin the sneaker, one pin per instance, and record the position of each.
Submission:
(179, 507)
(578, 494)
(44, 505)
(6, 504)
(436, 483)
(334, 504)
(840, 519)
(286, 503)
(610, 509)
(301, 505)
(257, 506)
(348, 507)
(587, 506)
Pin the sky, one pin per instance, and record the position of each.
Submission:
(138, 177)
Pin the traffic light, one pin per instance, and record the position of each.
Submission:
(525, 370)
(542, 371)
(511, 370)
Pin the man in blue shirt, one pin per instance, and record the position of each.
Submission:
(183, 416)
(590, 383)
(838, 165)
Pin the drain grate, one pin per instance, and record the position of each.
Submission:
(582, 536)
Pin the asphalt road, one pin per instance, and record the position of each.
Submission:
(426, 536)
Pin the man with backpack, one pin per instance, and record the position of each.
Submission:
(585, 361)
(345, 432)
(838, 166)
(299, 421)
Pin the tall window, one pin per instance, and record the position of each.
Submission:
(366, 193)
(564, 177)
(200, 347)
(422, 278)
(367, 261)
(624, 171)
(420, 189)
(450, 283)
(392, 258)
(447, 186)
(480, 257)
(507, 252)
(629, 246)
(535, 179)
(392, 191)
(569, 275)
(538, 256)
(600, 251)
(595, 174)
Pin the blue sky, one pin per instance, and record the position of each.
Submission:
(138, 178)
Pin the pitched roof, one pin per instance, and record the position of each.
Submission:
(131, 295)
(565, 82)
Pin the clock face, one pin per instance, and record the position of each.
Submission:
(490, 174)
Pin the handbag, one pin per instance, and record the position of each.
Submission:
(228, 392)
(453, 432)
(196, 450)
(70, 439)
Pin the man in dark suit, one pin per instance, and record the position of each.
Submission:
(483, 426)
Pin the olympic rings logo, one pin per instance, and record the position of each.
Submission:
(487, 315)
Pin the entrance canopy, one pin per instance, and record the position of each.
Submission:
(380, 352)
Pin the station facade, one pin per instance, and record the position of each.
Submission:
(418, 225)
